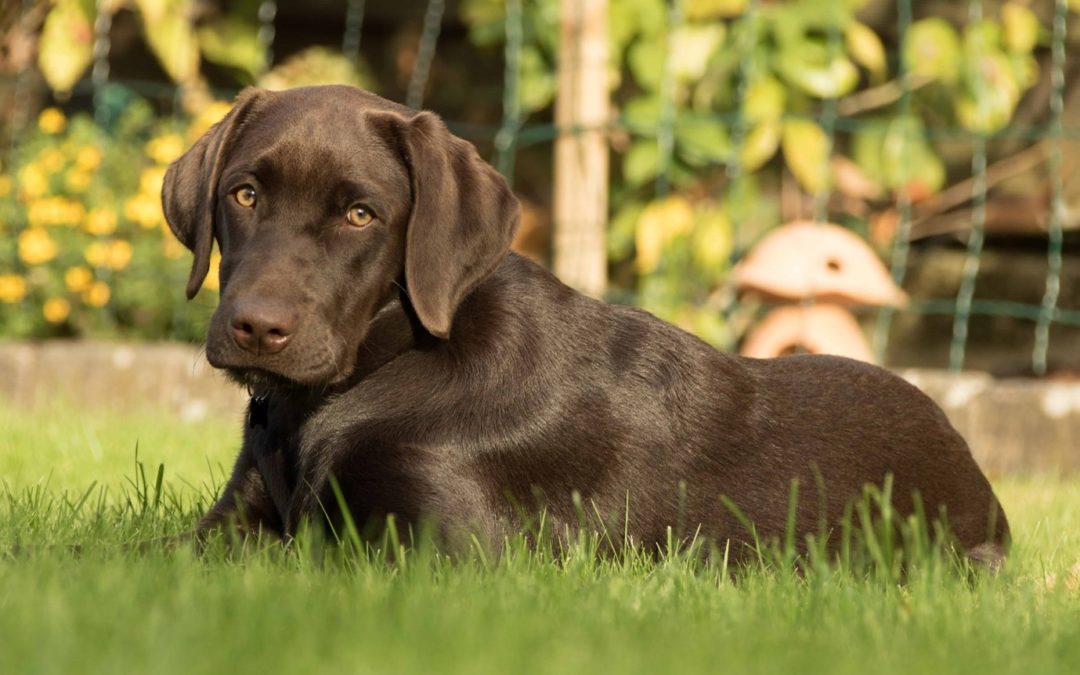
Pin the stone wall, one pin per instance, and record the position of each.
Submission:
(173, 378)
(1014, 425)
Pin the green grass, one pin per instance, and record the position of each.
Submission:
(110, 607)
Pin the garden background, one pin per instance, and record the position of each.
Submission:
(935, 140)
(941, 133)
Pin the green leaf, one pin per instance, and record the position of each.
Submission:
(660, 223)
(646, 59)
(710, 326)
(865, 47)
(760, 145)
(899, 157)
(991, 88)
(713, 9)
(642, 162)
(808, 66)
(235, 43)
(171, 37)
(765, 99)
(629, 19)
(866, 148)
(806, 151)
(1020, 27)
(538, 81)
(66, 47)
(702, 141)
(932, 49)
(486, 20)
(712, 241)
(691, 48)
(911, 163)
(642, 114)
(987, 113)
(315, 66)
(622, 230)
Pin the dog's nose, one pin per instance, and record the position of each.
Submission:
(262, 327)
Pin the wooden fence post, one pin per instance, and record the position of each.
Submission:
(581, 149)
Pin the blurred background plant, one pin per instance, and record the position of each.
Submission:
(732, 118)
(85, 228)
(778, 76)
(85, 249)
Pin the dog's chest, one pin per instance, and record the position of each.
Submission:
(274, 439)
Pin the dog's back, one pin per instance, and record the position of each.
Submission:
(548, 399)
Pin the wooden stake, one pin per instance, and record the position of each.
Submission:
(581, 149)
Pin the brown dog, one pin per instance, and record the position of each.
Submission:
(395, 346)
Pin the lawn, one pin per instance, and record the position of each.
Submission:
(70, 477)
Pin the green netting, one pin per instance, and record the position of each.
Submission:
(425, 53)
(506, 139)
(1049, 311)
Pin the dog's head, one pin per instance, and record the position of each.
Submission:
(324, 202)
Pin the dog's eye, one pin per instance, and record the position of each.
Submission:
(359, 215)
(245, 196)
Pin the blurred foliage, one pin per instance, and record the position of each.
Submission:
(84, 247)
(719, 101)
(745, 91)
(65, 51)
(227, 36)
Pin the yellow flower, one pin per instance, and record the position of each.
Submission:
(54, 211)
(165, 149)
(36, 246)
(119, 255)
(33, 182)
(100, 221)
(97, 295)
(78, 179)
(52, 160)
(207, 117)
(151, 180)
(116, 255)
(5, 186)
(212, 281)
(12, 288)
(39, 212)
(144, 209)
(78, 279)
(52, 121)
(96, 254)
(56, 310)
(74, 212)
(88, 158)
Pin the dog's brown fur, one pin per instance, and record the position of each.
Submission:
(434, 374)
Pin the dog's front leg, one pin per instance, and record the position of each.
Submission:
(244, 508)
(247, 505)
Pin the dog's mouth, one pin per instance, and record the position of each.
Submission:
(297, 367)
(260, 382)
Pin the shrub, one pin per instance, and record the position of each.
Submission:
(85, 250)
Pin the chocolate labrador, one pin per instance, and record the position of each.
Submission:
(402, 361)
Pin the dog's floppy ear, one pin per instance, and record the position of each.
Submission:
(189, 194)
(462, 221)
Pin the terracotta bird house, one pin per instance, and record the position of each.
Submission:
(823, 270)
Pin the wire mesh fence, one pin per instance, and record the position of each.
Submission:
(705, 156)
